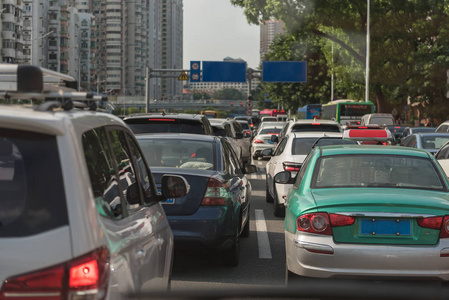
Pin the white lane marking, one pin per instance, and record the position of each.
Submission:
(262, 235)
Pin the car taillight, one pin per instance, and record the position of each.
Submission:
(257, 141)
(341, 220)
(217, 193)
(439, 223)
(291, 166)
(314, 223)
(322, 223)
(85, 277)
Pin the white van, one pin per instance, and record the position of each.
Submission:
(379, 119)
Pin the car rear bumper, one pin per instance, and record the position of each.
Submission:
(318, 256)
(208, 228)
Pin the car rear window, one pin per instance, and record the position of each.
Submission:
(376, 170)
(270, 131)
(312, 127)
(302, 146)
(149, 125)
(177, 153)
(245, 126)
(31, 187)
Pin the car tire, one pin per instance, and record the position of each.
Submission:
(279, 209)
(268, 197)
(232, 256)
(245, 231)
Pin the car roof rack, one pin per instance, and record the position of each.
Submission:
(57, 90)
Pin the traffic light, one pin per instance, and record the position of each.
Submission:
(241, 103)
(232, 103)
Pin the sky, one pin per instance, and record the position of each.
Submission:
(214, 29)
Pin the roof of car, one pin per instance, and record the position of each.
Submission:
(164, 116)
(180, 136)
(424, 134)
(23, 117)
(309, 121)
(361, 149)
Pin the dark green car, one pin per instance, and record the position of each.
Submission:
(367, 211)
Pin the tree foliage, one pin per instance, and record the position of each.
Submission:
(408, 46)
(229, 94)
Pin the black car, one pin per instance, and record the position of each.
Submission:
(169, 123)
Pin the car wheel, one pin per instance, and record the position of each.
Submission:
(279, 209)
(245, 231)
(232, 256)
(268, 197)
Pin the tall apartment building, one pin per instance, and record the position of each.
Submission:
(12, 31)
(121, 45)
(166, 46)
(51, 35)
(268, 31)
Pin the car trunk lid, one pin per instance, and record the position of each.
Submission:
(383, 216)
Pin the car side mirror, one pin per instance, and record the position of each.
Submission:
(274, 138)
(284, 177)
(249, 169)
(267, 152)
(239, 135)
(174, 186)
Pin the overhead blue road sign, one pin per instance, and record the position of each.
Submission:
(284, 71)
(195, 71)
(224, 71)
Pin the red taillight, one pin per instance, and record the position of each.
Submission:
(257, 141)
(438, 223)
(86, 273)
(432, 222)
(291, 166)
(314, 223)
(321, 223)
(316, 123)
(216, 194)
(341, 220)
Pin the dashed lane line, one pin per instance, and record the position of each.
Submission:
(262, 235)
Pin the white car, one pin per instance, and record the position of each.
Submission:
(263, 139)
(80, 211)
(288, 156)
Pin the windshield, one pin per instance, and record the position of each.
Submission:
(376, 171)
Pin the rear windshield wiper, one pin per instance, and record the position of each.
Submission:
(381, 184)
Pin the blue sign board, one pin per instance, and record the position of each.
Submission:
(224, 71)
(284, 71)
(195, 71)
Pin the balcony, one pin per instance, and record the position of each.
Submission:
(8, 52)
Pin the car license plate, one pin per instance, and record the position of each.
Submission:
(167, 201)
(397, 227)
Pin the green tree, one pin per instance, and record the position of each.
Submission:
(229, 94)
(408, 49)
(197, 95)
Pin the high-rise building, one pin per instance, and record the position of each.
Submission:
(11, 28)
(268, 31)
(166, 30)
(122, 45)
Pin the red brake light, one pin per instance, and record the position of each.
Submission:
(163, 120)
(257, 141)
(314, 223)
(216, 193)
(368, 133)
(316, 123)
(87, 273)
(341, 220)
(432, 222)
(291, 166)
